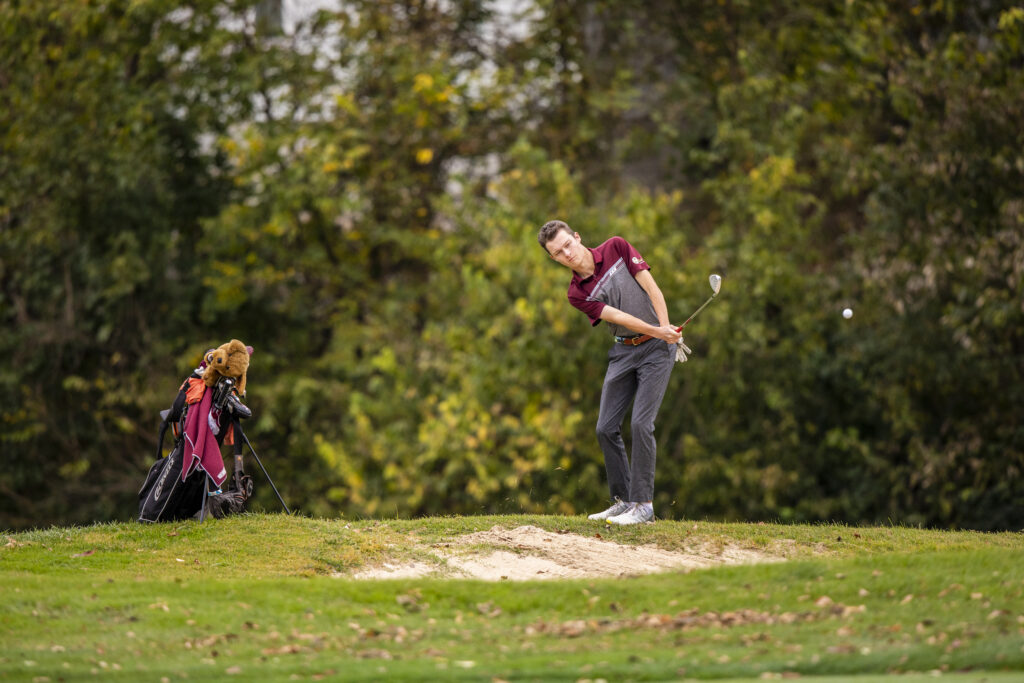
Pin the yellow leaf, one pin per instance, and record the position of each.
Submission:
(424, 155)
(422, 82)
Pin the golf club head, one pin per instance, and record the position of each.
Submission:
(716, 283)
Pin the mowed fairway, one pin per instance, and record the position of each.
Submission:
(269, 597)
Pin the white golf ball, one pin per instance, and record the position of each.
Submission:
(847, 313)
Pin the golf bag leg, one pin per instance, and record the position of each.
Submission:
(260, 463)
(206, 498)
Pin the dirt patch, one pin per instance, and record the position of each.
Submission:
(528, 553)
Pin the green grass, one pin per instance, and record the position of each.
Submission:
(253, 597)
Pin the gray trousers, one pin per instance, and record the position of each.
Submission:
(637, 375)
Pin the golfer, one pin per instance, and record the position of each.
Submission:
(612, 282)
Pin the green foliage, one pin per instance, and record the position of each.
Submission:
(359, 199)
(103, 182)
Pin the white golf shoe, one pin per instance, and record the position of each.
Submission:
(617, 508)
(637, 513)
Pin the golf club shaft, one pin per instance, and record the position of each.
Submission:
(265, 472)
(680, 328)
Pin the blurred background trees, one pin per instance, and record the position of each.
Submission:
(356, 192)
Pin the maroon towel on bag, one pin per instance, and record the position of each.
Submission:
(201, 447)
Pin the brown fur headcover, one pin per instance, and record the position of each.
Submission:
(229, 360)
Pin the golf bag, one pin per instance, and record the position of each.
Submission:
(164, 496)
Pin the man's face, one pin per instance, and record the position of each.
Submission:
(566, 248)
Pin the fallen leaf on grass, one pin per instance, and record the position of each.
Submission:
(488, 609)
(409, 602)
(290, 649)
(84, 553)
(573, 629)
(684, 621)
(842, 649)
(907, 598)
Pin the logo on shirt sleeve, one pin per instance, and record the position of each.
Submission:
(637, 260)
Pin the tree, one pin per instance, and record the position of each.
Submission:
(105, 176)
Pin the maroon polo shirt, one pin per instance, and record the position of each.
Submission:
(614, 284)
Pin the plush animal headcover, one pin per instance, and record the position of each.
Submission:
(228, 360)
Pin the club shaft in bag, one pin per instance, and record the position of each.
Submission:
(283, 504)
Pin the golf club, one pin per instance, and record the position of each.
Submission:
(716, 284)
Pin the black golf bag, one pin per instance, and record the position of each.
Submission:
(164, 496)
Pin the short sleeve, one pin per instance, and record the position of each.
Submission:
(634, 261)
(591, 307)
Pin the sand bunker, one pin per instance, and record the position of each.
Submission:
(528, 553)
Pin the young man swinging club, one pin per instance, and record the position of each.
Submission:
(612, 282)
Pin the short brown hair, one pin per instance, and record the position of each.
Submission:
(548, 232)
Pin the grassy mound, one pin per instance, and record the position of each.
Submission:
(273, 597)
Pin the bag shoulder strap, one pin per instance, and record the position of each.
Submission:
(173, 414)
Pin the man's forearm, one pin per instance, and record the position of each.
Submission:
(631, 322)
(660, 307)
(666, 333)
(646, 281)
